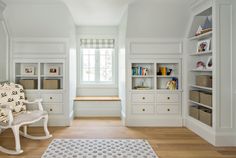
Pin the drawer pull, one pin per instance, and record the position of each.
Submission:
(168, 98)
(50, 109)
(143, 109)
(143, 98)
(168, 109)
(50, 98)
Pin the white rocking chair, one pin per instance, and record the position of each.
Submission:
(14, 114)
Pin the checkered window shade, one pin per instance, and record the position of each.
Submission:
(97, 43)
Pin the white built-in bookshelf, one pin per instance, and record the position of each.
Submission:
(200, 70)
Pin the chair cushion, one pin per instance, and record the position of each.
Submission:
(11, 94)
(28, 116)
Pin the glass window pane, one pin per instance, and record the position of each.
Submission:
(88, 64)
(106, 75)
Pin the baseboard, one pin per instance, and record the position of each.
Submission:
(201, 129)
(155, 122)
(225, 139)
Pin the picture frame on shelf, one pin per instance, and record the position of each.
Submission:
(209, 64)
(28, 70)
(53, 70)
(203, 45)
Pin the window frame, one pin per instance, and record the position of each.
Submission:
(98, 84)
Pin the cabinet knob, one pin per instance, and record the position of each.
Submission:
(168, 98)
(50, 109)
(168, 109)
(143, 109)
(144, 98)
(50, 97)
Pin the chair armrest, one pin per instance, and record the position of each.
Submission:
(9, 113)
(38, 101)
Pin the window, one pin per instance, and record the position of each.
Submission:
(97, 61)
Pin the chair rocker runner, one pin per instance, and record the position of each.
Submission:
(14, 113)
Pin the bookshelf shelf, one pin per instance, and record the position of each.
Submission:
(202, 36)
(199, 70)
(200, 87)
(201, 53)
(162, 76)
(142, 76)
(206, 106)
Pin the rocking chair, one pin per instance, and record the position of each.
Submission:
(14, 114)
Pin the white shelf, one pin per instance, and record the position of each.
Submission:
(52, 76)
(167, 90)
(27, 76)
(140, 76)
(162, 76)
(200, 87)
(206, 106)
(202, 36)
(204, 70)
(201, 53)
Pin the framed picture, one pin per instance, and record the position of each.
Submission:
(53, 70)
(203, 46)
(209, 63)
(28, 70)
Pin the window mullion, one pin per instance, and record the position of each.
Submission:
(97, 63)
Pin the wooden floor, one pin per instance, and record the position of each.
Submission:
(167, 142)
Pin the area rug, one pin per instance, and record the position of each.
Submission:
(99, 148)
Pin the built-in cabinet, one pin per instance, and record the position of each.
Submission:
(154, 83)
(46, 69)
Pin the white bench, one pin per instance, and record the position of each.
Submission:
(97, 106)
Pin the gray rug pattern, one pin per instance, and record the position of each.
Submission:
(99, 148)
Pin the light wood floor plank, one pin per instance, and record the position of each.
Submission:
(167, 142)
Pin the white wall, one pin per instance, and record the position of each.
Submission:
(122, 62)
(96, 32)
(3, 46)
(157, 19)
(38, 19)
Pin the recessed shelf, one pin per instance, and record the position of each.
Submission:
(162, 76)
(54, 76)
(167, 90)
(201, 53)
(206, 106)
(27, 76)
(140, 76)
(203, 70)
(202, 36)
(203, 88)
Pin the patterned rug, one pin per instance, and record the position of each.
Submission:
(99, 148)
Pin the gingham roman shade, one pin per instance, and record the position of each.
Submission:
(97, 43)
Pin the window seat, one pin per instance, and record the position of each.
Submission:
(114, 98)
(109, 106)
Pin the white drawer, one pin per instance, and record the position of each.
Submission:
(53, 108)
(52, 98)
(171, 109)
(168, 98)
(31, 97)
(143, 109)
(143, 98)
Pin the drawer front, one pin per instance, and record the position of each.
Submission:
(143, 109)
(52, 98)
(32, 97)
(172, 109)
(53, 108)
(143, 98)
(168, 98)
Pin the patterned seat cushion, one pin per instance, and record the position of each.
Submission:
(12, 95)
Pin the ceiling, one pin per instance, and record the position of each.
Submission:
(97, 12)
